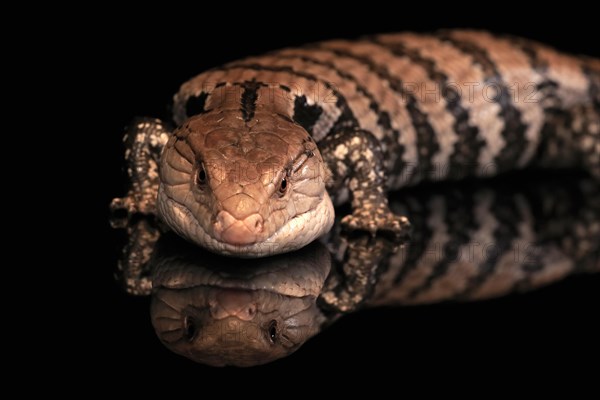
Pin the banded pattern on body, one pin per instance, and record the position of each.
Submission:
(443, 106)
(489, 242)
(474, 242)
(266, 145)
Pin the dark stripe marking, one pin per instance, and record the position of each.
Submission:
(249, 98)
(508, 216)
(346, 118)
(555, 117)
(593, 77)
(424, 131)
(460, 221)
(305, 114)
(418, 212)
(389, 139)
(195, 104)
(464, 158)
(514, 129)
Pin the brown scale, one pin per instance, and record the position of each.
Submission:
(222, 311)
(375, 110)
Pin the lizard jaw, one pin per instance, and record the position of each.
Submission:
(296, 233)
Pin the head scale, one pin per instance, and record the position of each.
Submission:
(244, 313)
(243, 188)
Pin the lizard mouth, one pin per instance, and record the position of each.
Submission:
(296, 233)
(238, 232)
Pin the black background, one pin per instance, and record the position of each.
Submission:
(140, 63)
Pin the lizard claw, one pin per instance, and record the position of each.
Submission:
(132, 205)
(122, 204)
(123, 208)
(379, 220)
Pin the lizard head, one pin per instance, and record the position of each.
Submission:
(247, 189)
(220, 326)
(245, 313)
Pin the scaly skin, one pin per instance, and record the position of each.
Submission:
(471, 242)
(263, 143)
(244, 163)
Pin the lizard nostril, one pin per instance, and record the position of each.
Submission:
(258, 225)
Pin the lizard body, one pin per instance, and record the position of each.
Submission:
(265, 144)
(471, 242)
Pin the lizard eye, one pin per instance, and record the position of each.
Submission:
(190, 328)
(273, 331)
(201, 176)
(283, 186)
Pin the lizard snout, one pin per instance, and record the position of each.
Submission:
(238, 231)
(233, 302)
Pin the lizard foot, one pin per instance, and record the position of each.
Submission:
(130, 205)
(123, 208)
(377, 220)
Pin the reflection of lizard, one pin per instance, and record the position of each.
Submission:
(251, 312)
(470, 243)
(262, 143)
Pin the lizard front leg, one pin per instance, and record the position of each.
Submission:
(587, 136)
(355, 269)
(355, 159)
(134, 267)
(144, 140)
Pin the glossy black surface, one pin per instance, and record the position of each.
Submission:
(472, 241)
(550, 330)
